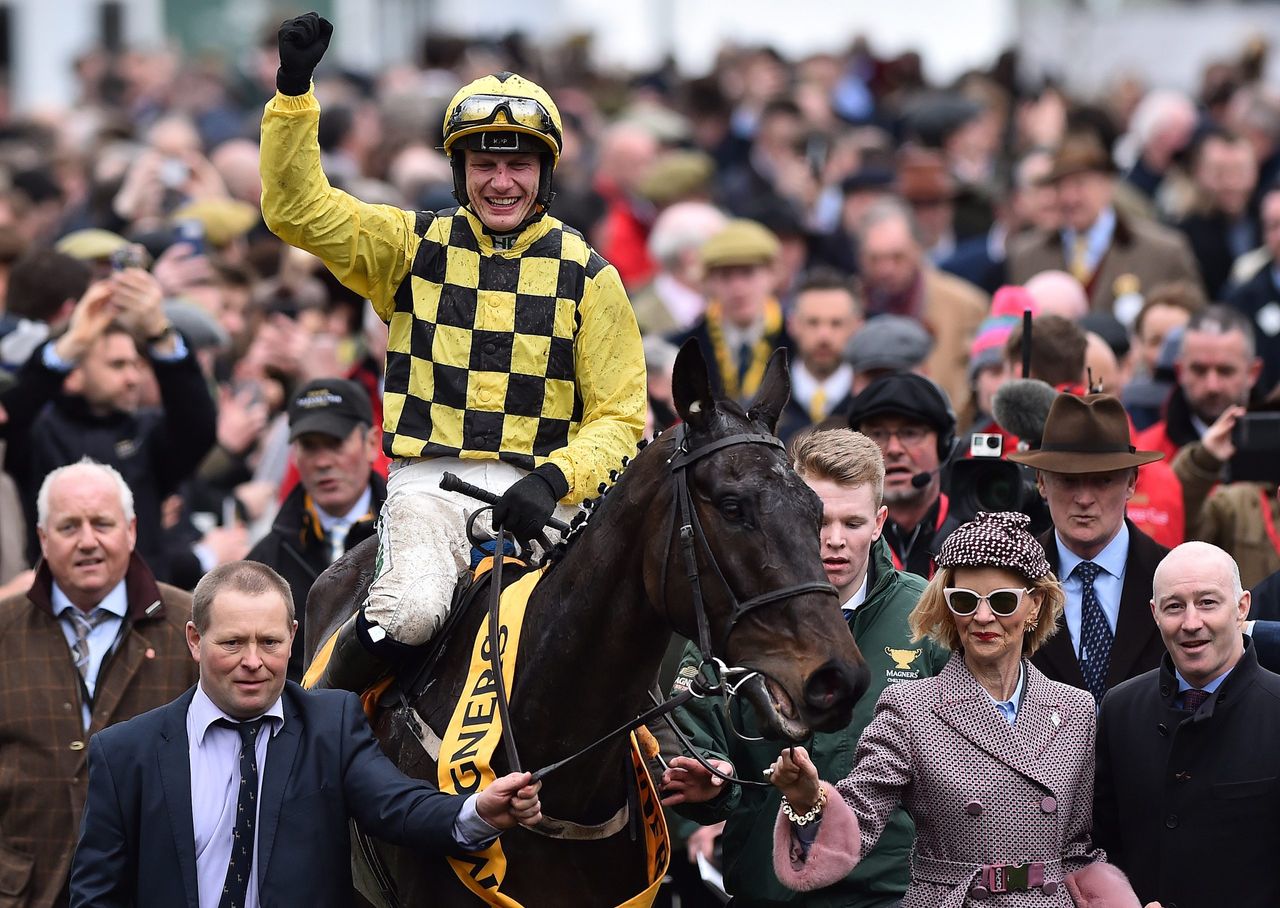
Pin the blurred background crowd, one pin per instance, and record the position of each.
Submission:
(839, 204)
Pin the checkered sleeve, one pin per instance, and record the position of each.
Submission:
(610, 373)
(369, 248)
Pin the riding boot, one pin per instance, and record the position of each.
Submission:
(353, 665)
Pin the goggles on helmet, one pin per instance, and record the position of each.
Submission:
(483, 110)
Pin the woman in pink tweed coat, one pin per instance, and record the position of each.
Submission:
(993, 761)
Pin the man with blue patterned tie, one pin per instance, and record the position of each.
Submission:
(1086, 471)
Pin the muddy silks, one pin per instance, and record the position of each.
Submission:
(474, 733)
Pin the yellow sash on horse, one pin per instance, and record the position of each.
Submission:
(473, 734)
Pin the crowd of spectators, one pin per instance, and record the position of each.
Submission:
(838, 205)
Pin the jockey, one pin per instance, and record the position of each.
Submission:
(513, 360)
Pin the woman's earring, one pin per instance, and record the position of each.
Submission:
(1031, 625)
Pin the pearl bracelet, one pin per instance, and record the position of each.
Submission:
(804, 819)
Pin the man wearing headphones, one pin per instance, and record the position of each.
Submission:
(912, 421)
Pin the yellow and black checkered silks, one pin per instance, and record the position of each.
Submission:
(480, 358)
(528, 353)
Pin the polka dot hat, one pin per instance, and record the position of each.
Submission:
(995, 539)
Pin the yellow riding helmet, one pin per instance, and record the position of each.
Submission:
(496, 112)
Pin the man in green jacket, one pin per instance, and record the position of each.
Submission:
(846, 470)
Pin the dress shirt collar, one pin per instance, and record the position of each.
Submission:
(836, 386)
(116, 602)
(358, 510)
(735, 337)
(1009, 708)
(1111, 559)
(1097, 237)
(203, 712)
(857, 598)
(1211, 687)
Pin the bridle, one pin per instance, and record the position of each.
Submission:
(714, 677)
(693, 538)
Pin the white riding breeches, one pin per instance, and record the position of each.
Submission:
(423, 544)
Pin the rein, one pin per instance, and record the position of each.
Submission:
(724, 681)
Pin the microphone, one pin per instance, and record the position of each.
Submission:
(920, 480)
(1021, 408)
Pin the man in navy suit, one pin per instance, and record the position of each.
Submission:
(238, 793)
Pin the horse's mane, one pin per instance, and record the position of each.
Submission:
(578, 525)
(725, 408)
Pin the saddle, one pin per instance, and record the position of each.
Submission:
(472, 584)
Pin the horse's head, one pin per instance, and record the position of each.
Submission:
(767, 603)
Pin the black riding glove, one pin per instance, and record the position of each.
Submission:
(303, 42)
(525, 508)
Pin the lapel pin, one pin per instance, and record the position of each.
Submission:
(150, 653)
(1055, 719)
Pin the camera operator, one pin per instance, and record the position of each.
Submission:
(911, 420)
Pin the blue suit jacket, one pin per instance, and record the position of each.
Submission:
(137, 844)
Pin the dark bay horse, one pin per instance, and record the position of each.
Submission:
(597, 626)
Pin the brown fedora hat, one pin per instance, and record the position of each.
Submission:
(1086, 435)
(1079, 153)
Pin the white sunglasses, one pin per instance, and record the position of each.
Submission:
(965, 602)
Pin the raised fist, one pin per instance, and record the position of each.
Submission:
(303, 41)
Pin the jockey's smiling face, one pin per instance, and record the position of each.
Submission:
(502, 187)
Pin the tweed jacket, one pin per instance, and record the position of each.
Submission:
(981, 791)
(1140, 250)
(43, 754)
(1137, 647)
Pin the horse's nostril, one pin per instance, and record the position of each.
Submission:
(833, 688)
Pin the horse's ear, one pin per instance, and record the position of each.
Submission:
(691, 385)
(775, 389)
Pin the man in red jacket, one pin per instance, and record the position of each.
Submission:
(1217, 368)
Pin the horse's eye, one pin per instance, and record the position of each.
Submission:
(731, 508)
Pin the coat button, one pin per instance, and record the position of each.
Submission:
(1163, 729)
(1049, 804)
(973, 808)
(490, 349)
(1171, 821)
(76, 745)
(1049, 888)
(67, 706)
(980, 892)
